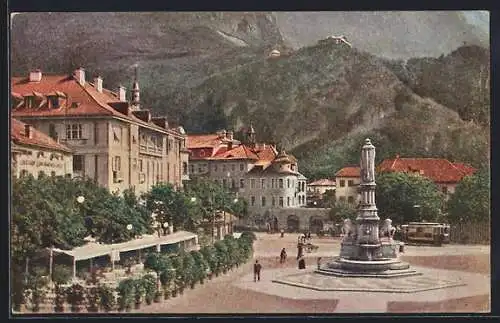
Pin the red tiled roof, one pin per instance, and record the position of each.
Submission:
(240, 152)
(323, 182)
(38, 138)
(203, 141)
(349, 171)
(437, 169)
(89, 100)
(467, 169)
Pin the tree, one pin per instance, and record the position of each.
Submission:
(341, 211)
(471, 200)
(405, 197)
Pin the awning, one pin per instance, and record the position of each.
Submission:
(92, 250)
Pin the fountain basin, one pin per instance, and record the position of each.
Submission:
(379, 268)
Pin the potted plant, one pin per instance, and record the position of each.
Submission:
(201, 266)
(179, 279)
(208, 255)
(156, 263)
(139, 292)
(76, 297)
(37, 291)
(59, 299)
(92, 299)
(107, 300)
(189, 266)
(126, 290)
(150, 287)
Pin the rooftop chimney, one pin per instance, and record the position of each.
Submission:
(80, 76)
(229, 135)
(36, 76)
(28, 131)
(98, 84)
(121, 94)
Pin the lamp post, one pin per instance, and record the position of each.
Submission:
(165, 227)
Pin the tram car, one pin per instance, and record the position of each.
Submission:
(426, 233)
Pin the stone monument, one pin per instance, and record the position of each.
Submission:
(367, 250)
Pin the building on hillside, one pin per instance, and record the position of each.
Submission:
(115, 142)
(317, 189)
(347, 181)
(268, 180)
(35, 153)
(442, 172)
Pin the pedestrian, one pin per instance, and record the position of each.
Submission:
(256, 271)
(282, 256)
(282, 233)
(300, 250)
(302, 263)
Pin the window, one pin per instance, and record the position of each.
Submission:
(54, 102)
(281, 201)
(78, 163)
(233, 183)
(350, 182)
(273, 201)
(117, 163)
(215, 167)
(342, 183)
(41, 174)
(444, 189)
(288, 201)
(192, 168)
(29, 101)
(252, 183)
(74, 131)
(242, 167)
(263, 201)
(281, 182)
(288, 183)
(141, 168)
(184, 168)
(242, 183)
(272, 182)
(263, 183)
(233, 167)
(350, 199)
(200, 170)
(252, 201)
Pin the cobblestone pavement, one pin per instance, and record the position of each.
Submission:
(236, 292)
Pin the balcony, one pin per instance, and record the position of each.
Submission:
(74, 142)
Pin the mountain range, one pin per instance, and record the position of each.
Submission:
(416, 82)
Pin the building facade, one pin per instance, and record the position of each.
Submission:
(347, 182)
(114, 141)
(35, 153)
(266, 179)
(445, 174)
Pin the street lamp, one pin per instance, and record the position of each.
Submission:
(165, 227)
(417, 209)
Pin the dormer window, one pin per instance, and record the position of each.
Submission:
(54, 102)
(29, 101)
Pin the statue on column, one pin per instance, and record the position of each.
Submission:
(347, 230)
(388, 230)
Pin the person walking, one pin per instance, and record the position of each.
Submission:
(256, 271)
(282, 256)
(302, 263)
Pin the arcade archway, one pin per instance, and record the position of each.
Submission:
(292, 223)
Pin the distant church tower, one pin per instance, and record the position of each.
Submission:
(135, 92)
(251, 135)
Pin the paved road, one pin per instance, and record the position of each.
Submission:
(236, 292)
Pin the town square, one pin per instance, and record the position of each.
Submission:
(234, 163)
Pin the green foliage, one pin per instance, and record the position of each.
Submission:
(61, 274)
(222, 254)
(471, 200)
(139, 290)
(201, 265)
(107, 300)
(75, 296)
(189, 268)
(178, 265)
(248, 235)
(126, 294)
(398, 194)
(209, 255)
(167, 275)
(155, 262)
(50, 203)
(341, 211)
(149, 283)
